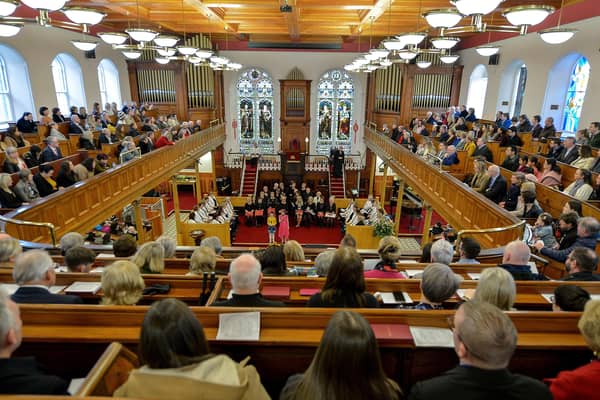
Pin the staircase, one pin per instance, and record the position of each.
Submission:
(249, 178)
(337, 186)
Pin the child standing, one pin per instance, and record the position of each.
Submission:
(284, 226)
(271, 226)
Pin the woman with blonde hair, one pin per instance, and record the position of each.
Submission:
(204, 259)
(7, 197)
(480, 177)
(122, 284)
(389, 253)
(496, 286)
(10, 248)
(293, 251)
(150, 258)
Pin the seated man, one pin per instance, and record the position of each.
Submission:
(21, 375)
(496, 187)
(484, 339)
(469, 250)
(34, 273)
(581, 264)
(587, 235)
(442, 252)
(515, 259)
(511, 162)
(245, 276)
(450, 158)
(80, 259)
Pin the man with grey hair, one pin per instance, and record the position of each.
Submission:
(20, 375)
(34, 273)
(70, 240)
(245, 276)
(516, 261)
(214, 243)
(442, 252)
(438, 284)
(323, 262)
(168, 244)
(484, 340)
(581, 264)
(587, 235)
(496, 187)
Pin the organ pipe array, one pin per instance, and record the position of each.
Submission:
(156, 85)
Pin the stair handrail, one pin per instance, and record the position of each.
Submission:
(243, 174)
(256, 175)
(344, 177)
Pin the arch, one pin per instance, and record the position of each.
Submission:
(578, 82)
(108, 79)
(15, 88)
(478, 82)
(512, 88)
(256, 107)
(335, 109)
(68, 82)
(557, 87)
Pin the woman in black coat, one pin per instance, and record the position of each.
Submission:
(66, 176)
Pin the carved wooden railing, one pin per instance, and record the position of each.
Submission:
(457, 203)
(82, 206)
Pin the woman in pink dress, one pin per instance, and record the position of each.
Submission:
(284, 226)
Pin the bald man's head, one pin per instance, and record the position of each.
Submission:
(245, 274)
(516, 253)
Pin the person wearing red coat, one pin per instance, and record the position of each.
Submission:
(163, 141)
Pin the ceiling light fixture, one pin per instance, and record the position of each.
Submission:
(166, 52)
(527, 15)
(449, 58)
(204, 53)
(423, 64)
(84, 16)
(8, 29)
(141, 35)
(84, 45)
(166, 40)
(487, 50)
(47, 5)
(557, 35)
(444, 42)
(442, 18)
(412, 38)
(407, 54)
(162, 60)
(132, 54)
(116, 38)
(476, 7)
(7, 7)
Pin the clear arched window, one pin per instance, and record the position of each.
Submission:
(68, 82)
(576, 94)
(15, 88)
(255, 115)
(335, 108)
(477, 88)
(519, 90)
(6, 113)
(108, 78)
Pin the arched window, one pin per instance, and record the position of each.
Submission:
(519, 91)
(477, 89)
(512, 88)
(68, 82)
(15, 88)
(108, 78)
(335, 108)
(255, 102)
(576, 94)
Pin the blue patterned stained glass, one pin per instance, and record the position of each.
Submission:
(255, 115)
(576, 94)
(335, 111)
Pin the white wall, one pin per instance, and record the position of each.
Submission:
(278, 64)
(539, 57)
(39, 46)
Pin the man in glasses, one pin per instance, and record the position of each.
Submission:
(484, 340)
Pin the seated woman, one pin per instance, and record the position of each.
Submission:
(32, 157)
(101, 163)
(389, 254)
(66, 177)
(347, 365)
(438, 284)
(345, 284)
(586, 159)
(122, 284)
(292, 250)
(480, 177)
(527, 205)
(569, 298)
(582, 383)
(551, 175)
(26, 124)
(25, 188)
(581, 188)
(44, 180)
(85, 169)
(13, 138)
(496, 286)
(177, 363)
(249, 210)
(204, 259)
(330, 212)
(7, 198)
(86, 141)
(13, 162)
(150, 258)
(272, 261)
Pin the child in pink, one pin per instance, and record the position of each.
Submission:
(284, 226)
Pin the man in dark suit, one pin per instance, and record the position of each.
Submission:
(581, 264)
(245, 276)
(483, 151)
(52, 151)
(496, 188)
(484, 339)
(555, 148)
(34, 273)
(569, 153)
(75, 125)
(21, 375)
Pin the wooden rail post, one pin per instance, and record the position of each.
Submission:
(426, 223)
(399, 206)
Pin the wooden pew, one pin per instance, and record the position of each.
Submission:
(548, 342)
(110, 371)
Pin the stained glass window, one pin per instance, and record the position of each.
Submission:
(576, 94)
(255, 112)
(335, 108)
